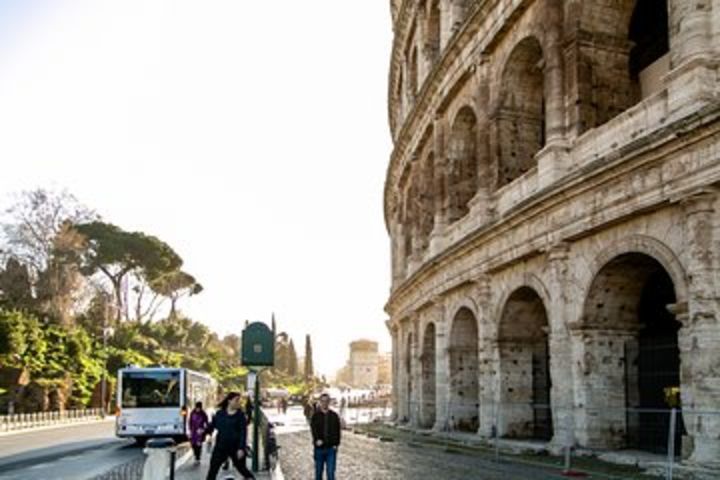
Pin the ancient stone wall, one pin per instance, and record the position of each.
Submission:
(553, 200)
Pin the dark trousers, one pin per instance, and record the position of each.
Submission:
(197, 450)
(325, 458)
(219, 456)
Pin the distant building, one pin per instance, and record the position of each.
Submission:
(364, 363)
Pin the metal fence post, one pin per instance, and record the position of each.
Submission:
(496, 431)
(671, 443)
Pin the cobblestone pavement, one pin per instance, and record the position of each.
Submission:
(363, 458)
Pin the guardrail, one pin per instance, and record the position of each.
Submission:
(26, 421)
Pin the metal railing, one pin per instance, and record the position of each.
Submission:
(26, 421)
(591, 440)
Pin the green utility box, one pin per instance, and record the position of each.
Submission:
(258, 346)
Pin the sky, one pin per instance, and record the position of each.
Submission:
(249, 135)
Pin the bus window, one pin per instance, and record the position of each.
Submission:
(150, 389)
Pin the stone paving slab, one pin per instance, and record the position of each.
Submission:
(364, 458)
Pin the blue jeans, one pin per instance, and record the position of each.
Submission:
(325, 456)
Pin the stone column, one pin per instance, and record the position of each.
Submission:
(442, 366)
(446, 30)
(699, 337)
(690, 31)
(692, 80)
(402, 393)
(394, 367)
(563, 295)
(488, 358)
(415, 373)
(440, 207)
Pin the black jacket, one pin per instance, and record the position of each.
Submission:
(232, 430)
(325, 427)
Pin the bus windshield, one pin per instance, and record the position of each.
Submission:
(150, 389)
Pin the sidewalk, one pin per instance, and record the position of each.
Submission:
(190, 471)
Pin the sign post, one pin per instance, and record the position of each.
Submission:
(258, 351)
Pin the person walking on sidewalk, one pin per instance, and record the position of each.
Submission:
(231, 427)
(198, 429)
(325, 426)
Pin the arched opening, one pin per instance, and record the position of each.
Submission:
(525, 367)
(464, 392)
(623, 60)
(521, 116)
(408, 377)
(463, 171)
(427, 413)
(629, 298)
(650, 44)
(432, 42)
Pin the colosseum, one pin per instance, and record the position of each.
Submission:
(553, 203)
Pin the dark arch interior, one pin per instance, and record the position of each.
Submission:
(648, 33)
(526, 362)
(464, 387)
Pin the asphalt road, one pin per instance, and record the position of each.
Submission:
(67, 452)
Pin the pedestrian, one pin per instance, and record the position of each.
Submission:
(231, 426)
(325, 426)
(284, 404)
(198, 428)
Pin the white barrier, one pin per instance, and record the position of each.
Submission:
(27, 421)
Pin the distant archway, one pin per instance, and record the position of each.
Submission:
(464, 389)
(521, 116)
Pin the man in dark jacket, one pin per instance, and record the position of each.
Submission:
(325, 426)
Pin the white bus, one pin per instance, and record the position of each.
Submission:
(155, 401)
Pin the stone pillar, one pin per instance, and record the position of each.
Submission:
(563, 294)
(415, 373)
(690, 31)
(394, 368)
(553, 72)
(402, 393)
(440, 189)
(600, 419)
(442, 366)
(446, 24)
(699, 337)
(692, 80)
(488, 358)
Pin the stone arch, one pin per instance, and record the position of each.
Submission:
(624, 60)
(649, 246)
(462, 177)
(427, 362)
(463, 407)
(529, 280)
(631, 354)
(520, 117)
(525, 366)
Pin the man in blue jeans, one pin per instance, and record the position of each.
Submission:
(325, 427)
